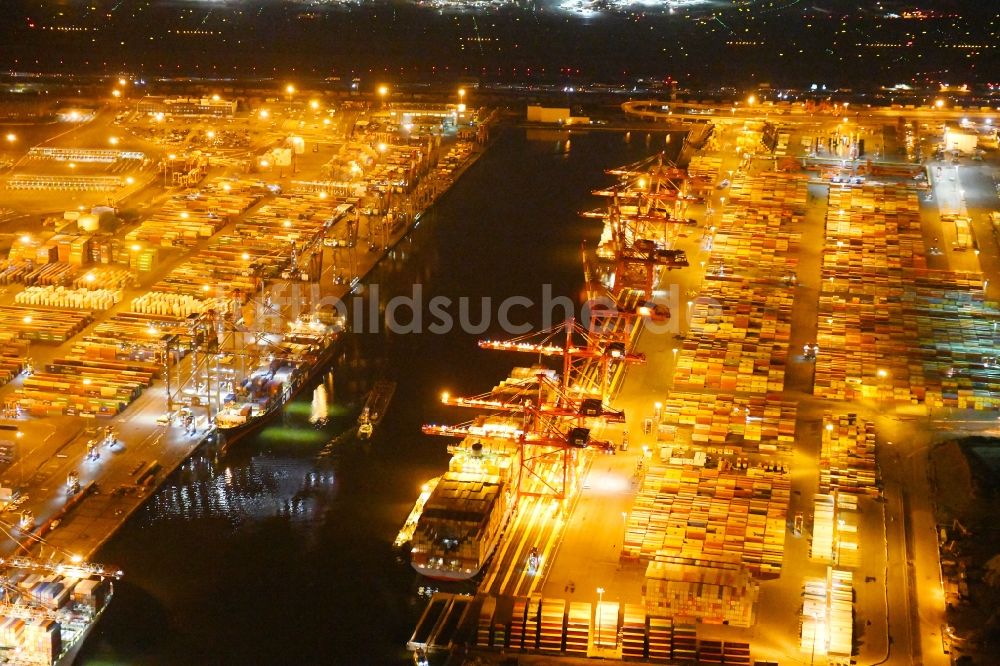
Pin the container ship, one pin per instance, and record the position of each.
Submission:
(464, 517)
(279, 374)
(49, 609)
(375, 407)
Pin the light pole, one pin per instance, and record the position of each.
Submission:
(171, 157)
(818, 626)
(27, 348)
(383, 90)
(657, 410)
(600, 598)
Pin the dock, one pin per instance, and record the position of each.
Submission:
(108, 387)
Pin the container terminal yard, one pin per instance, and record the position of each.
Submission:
(728, 466)
(180, 288)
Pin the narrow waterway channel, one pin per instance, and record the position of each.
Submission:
(270, 555)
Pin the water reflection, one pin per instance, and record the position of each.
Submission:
(266, 486)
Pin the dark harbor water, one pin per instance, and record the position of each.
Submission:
(271, 555)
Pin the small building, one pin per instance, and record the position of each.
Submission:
(962, 142)
(547, 114)
(188, 106)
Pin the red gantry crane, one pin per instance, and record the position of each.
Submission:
(552, 430)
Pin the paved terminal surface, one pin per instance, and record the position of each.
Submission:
(899, 604)
(46, 450)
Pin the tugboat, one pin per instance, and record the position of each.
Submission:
(375, 407)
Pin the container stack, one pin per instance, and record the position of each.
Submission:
(177, 306)
(35, 640)
(770, 188)
(13, 356)
(741, 322)
(739, 337)
(187, 218)
(517, 623)
(660, 634)
(708, 514)
(847, 455)
(262, 244)
(51, 274)
(828, 615)
(705, 167)
(43, 325)
(685, 642)
(710, 591)
(91, 593)
(578, 628)
(709, 652)
(484, 628)
(61, 297)
(531, 621)
(724, 423)
(736, 654)
(824, 517)
(633, 632)
(551, 630)
(105, 277)
(841, 591)
(890, 329)
(605, 634)
(141, 331)
(83, 387)
(759, 243)
(835, 530)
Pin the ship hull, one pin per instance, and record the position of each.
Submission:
(447, 576)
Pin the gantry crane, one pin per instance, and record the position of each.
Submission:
(75, 568)
(585, 353)
(29, 606)
(636, 242)
(551, 432)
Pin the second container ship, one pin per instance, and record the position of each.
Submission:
(280, 371)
